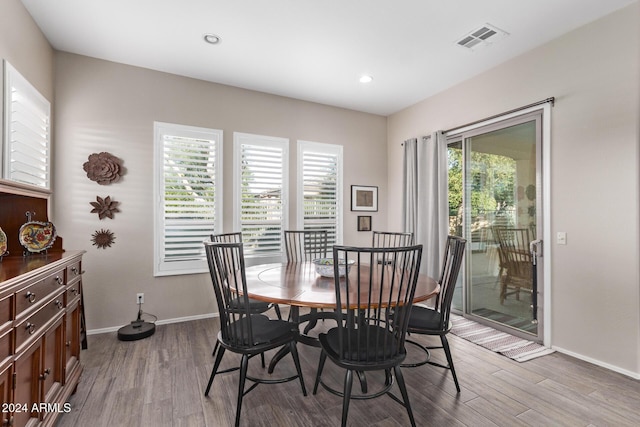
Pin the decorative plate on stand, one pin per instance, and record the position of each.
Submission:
(37, 236)
(3, 243)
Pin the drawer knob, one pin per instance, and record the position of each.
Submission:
(59, 304)
(59, 280)
(68, 344)
(74, 291)
(74, 270)
(45, 374)
(31, 328)
(30, 296)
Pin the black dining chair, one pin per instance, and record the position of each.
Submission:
(257, 306)
(242, 331)
(306, 245)
(436, 321)
(374, 302)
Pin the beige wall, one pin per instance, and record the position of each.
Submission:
(104, 106)
(593, 74)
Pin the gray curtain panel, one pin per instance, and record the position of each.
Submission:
(425, 201)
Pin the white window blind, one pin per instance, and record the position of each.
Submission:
(27, 148)
(320, 189)
(262, 192)
(188, 171)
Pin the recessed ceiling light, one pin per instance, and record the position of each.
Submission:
(212, 38)
(366, 79)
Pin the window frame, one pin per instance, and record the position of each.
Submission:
(240, 139)
(162, 267)
(39, 109)
(326, 149)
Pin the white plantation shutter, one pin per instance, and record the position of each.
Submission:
(27, 148)
(189, 196)
(262, 192)
(320, 189)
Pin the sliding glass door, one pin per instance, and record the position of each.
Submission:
(495, 203)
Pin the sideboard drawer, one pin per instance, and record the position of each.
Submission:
(34, 324)
(73, 271)
(73, 292)
(33, 294)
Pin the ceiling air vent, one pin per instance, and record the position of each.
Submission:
(483, 36)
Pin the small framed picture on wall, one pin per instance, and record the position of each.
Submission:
(364, 223)
(364, 198)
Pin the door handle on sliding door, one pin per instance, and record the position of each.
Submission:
(535, 249)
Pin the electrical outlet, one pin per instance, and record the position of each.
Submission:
(140, 298)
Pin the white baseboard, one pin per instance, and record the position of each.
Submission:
(634, 375)
(159, 322)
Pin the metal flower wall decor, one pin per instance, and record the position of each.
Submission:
(105, 208)
(103, 168)
(103, 238)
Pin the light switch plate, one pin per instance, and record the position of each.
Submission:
(561, 238)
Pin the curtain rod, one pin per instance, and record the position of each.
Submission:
(515, 110)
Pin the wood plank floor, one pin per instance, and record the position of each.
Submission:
(159, 381)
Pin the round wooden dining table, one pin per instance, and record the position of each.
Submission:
(298, 285)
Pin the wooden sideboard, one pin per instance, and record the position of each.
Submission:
(41, 317)
(41, 335)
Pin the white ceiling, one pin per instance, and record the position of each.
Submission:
(313, 50)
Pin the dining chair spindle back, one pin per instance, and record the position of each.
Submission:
(373, 302)
(391, 239)
(241, 330)
(305, 245)
(257, 306)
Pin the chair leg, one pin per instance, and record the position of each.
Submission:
(447, 352)
(216, 365)
(363, 381)
(405, 395)
(215, 348)
(323, 358)
(348, 382)
(262, 359)
(243, 376)
(387, 377)
(277, 309)
(296, 361)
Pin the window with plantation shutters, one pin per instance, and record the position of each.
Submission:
(320, 189)
(261, 192)
(188, 192)
(27, 148)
